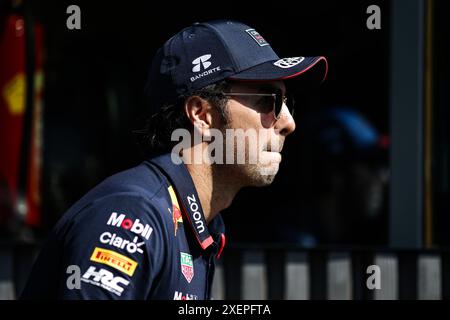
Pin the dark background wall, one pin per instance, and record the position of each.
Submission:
(94, 79)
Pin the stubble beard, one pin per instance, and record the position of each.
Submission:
(245, 174)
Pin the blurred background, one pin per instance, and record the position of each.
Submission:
(364, 180)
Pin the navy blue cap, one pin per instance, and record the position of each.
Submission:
(205, 53)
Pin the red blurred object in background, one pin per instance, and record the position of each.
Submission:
(13, 137)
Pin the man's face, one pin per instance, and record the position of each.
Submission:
(264, 134)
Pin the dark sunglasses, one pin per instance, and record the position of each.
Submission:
(269, 102)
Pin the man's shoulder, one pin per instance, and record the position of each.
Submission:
(142, 179)
(139, 192)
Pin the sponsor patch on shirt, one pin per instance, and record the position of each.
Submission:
(175, 211)
(135, 226)
(114, 260)
(184, 296)
(105, 279)
(187, 266)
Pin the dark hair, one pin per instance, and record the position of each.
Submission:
(155, 136)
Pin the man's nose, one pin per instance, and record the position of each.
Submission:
(285, 125)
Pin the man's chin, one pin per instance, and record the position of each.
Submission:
(264, 176)
(264, 181)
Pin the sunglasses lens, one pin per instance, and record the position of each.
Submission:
(265, 104)
(270, 102)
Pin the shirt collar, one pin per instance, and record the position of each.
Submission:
(179, 176)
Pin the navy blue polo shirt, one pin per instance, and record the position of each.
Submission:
(140, 234)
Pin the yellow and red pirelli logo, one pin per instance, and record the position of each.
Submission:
(115, 260)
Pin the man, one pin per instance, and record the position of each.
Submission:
(154, 231)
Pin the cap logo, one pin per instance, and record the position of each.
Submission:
(286, 63)
(257, 37)
(201, 61)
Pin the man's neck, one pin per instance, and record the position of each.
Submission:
(214, 192)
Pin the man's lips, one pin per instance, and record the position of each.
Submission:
(269, 148)
(273, 150)
(272, 156)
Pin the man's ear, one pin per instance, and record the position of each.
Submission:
(198, 111)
